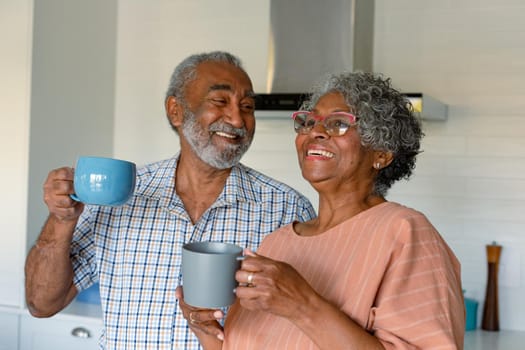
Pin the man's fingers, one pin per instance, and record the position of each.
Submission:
(201, 316)
(179, 294)
(205, 321)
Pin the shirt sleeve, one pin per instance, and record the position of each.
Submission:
(420, 304)
(305, 210)
(82, 253)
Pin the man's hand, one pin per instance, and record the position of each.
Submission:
(57, 188)
(203, 322)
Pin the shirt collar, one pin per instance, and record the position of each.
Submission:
(158, 181)
(239, 187)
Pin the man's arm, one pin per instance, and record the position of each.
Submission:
(49, 274)
(48, 270)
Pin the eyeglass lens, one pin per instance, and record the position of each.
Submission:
(334, 124)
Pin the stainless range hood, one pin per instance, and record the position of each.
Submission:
(310, 38)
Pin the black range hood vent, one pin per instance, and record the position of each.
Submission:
(279, 101)
(425, 107)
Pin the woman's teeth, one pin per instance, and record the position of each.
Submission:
(316, 152)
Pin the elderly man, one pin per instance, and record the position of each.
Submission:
(202, 193)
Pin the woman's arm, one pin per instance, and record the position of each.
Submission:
(338, 331)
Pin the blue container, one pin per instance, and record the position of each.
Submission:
(471, 309)
(90, 295)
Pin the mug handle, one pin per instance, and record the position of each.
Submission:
(74, 197)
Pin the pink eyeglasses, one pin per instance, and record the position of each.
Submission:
(335, 124)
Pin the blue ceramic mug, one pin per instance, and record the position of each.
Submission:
(104, 181)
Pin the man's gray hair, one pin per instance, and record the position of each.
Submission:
(186, 71)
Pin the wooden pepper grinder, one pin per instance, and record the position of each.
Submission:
(490, 310)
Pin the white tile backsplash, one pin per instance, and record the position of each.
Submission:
(470, 180)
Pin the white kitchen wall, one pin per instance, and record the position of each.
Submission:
(72, 91)
(470, 178)
(15, 67)
(152, 38)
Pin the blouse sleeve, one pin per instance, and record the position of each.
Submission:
(419, 304)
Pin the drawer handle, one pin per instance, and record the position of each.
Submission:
(80, 332)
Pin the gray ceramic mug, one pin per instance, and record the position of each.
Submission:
(208, 273)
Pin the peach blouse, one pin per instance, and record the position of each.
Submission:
(387, 268)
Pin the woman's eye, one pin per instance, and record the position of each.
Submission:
(338, 123)
(309, 123)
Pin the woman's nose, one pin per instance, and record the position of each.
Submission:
(319, 130)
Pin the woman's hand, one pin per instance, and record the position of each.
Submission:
(272, 286)
(203, 322)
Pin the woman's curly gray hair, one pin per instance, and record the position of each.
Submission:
(385, 120)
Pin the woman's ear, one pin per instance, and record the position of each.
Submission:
(174, 111)
(382, 159)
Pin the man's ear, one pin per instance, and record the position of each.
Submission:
(174, 111)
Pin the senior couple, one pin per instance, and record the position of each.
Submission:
(365, 273)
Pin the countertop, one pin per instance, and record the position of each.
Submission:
(501, 340)
(474, 340)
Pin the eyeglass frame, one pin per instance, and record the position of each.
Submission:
(305, 130)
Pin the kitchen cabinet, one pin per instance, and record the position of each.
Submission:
(60, 332)
(8, 330)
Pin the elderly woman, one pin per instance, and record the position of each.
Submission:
(366, 273)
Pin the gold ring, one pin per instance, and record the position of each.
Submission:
(250, 278)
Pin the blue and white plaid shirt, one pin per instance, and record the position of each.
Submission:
(135, 250)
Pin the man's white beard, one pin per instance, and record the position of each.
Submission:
(201, 143)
